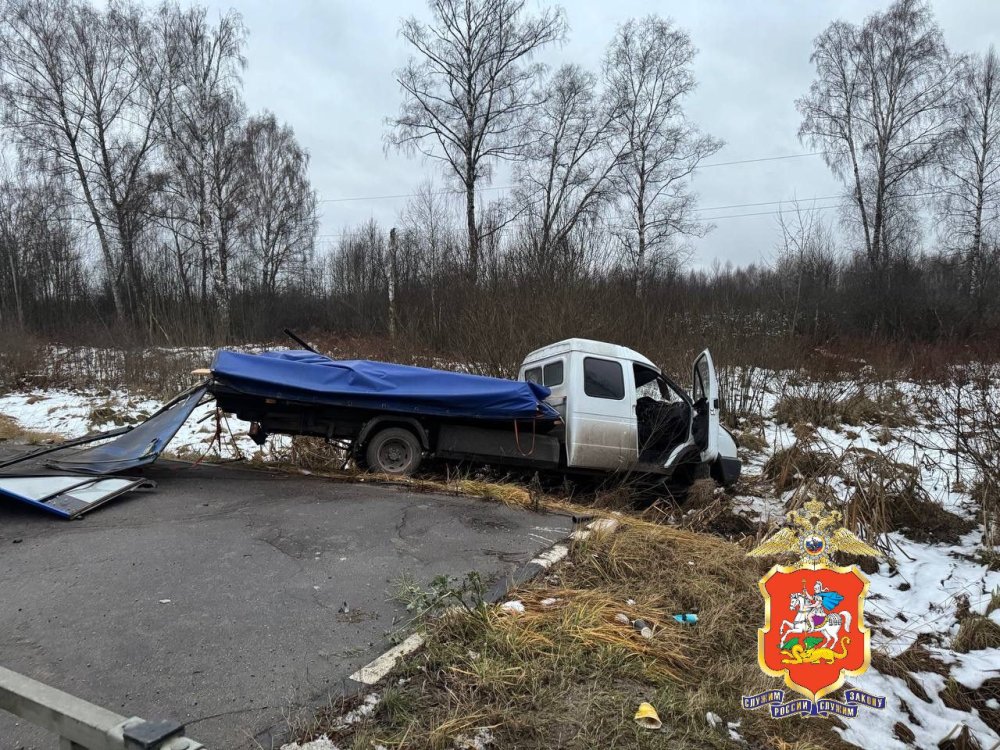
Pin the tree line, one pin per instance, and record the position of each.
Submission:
(138, 189)
(132, 141)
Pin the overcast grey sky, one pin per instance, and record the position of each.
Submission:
(326, 67)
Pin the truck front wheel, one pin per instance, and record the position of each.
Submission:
(394, 450)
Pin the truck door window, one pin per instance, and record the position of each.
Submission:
(553, 374)
(534, 375)
(701, 381)
(648, 384)
(603, 378)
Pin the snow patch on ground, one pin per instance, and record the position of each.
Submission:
(71, 414)
(363, 710)
(367, 708)
(931, 722)
(919, 592)
(762, 509)
(481, 740)
(933, 578)
(322, 743)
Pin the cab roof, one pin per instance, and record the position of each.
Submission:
(588, 346)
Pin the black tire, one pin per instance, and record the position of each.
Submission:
(394, 451)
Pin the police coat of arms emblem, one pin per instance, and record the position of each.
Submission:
(814, 633)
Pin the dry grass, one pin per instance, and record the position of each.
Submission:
(982, 700)
(706, 508)
(802, 462)
(834, 404)
(743, 389)
(975, 633)
(888, 496)
(969, 412)
(11, 431)
(310, 454)
(153, 371)
(107, 413)
(985, 493)
(21, 356)
(821, 412)
(571, 675)
(917, 658)
(703, 493)
(752, 441)
(318, 458)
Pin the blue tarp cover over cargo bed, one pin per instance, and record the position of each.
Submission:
(312, 378)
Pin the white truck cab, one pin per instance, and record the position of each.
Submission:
(622, 414)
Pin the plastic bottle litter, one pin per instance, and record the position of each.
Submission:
(688, 618)
(623, 618)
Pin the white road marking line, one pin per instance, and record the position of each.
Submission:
(550, 557)
(380, 667)
(541, 538)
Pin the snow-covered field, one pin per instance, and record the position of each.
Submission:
(70, 413)
(920, 590)
(918, 593)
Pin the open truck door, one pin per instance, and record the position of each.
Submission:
(705, 392)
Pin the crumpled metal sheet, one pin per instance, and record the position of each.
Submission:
(140, 446)
(67, 496)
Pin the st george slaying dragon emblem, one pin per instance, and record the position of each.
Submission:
(814, 633)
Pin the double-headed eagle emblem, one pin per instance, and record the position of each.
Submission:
(813, 535)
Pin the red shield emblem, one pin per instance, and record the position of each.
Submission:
(814, 633)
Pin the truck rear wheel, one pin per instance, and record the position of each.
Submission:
(394, 450)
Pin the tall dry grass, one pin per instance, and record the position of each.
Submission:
(571, 669)
(968, 411)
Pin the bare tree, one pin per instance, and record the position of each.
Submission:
(805, 264)
(82, 92)
(357, 273)
(203, 126)
(648, 75)
(970, 168)
(428, 222)
(566, 177)
(279, 220)
(469, 87)
(878, 109)
(40, 269)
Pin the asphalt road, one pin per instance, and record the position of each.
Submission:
(214, 599)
